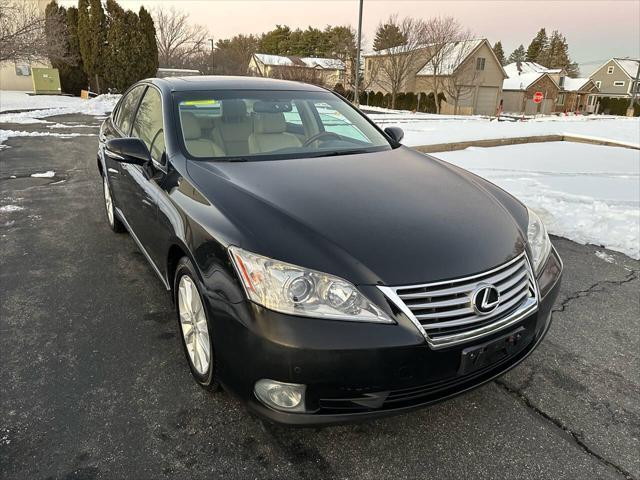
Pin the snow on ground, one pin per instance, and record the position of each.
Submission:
(11, 208)
(429, 129)
(587, 193)
(6, 134)
(42, 106)
(47, 174)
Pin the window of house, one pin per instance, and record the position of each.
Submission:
(592, 100)
(561, 81)
(23, 70)
(619, 83)
(598, 83)
(610, 69)
(480, 63)
(560, 100)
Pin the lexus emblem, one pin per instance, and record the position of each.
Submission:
(485, 299)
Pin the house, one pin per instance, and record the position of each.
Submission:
(524, 80)
(561, 93)
(16, 75)
(320, 71)
(468, 74)
(577, 95)
(617, 78)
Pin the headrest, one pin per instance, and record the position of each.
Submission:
(190, 126)
(269, 123)
(232, 109)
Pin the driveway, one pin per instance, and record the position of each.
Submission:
(94, 383)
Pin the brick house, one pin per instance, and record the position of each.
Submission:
(470, 76)
(577, 95)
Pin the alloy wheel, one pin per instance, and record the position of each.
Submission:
(194, 325)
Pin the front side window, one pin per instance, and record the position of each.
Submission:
(480, 61)
(127, 106)
(610, 69)
(561, 99)
(618, 84)
(148, 125)
(598, 83)
(268, 125)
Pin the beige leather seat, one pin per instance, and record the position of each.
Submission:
(233, 128)
(269, 134)
(196, 145)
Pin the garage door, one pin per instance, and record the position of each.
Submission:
(487, 101)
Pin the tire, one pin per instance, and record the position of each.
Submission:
(114, 223)
(196, 336)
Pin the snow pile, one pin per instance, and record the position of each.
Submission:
(425, 129)
(587, 193)
(42, 106)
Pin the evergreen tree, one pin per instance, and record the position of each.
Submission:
(518, 55)
(62, 23)
(557, 55)
(91, 34)
(149, 58)
(538, 45)
(276, 41)
(388, 35)
(499, 51)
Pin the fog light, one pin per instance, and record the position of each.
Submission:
(288, 397)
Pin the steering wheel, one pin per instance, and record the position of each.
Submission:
(318, 136)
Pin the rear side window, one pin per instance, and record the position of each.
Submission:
(128, 104)
(148, 125)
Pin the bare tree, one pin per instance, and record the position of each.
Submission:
(22, 32)
(396, 65)
(179, 41)
(442, 35)
(459, 72)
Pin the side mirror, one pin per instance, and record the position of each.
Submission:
(128, 150)
(395, 133)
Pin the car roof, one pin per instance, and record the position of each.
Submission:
(219, 82)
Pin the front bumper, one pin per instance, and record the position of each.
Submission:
(356, 371)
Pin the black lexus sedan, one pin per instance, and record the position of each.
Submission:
(321, 271)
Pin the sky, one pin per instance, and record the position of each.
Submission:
(596, 30)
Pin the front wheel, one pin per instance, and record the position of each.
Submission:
(194, 325)
(115, 224)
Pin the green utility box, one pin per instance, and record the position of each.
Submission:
(46, 81)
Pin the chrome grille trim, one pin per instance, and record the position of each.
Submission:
(437, 307)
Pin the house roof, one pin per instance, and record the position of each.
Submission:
(524, 81)
(629, 65)
(528, 67)
(574, 84)
(455, 54)
(311, 62)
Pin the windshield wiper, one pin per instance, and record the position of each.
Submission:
(335, 153)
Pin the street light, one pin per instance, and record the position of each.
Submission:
(212, 65)
(356, 95)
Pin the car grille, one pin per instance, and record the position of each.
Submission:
(443, 311)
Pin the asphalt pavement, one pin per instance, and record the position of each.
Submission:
(94, 383)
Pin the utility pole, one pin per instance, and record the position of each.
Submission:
(356, 95)
(212, 65)
(634, 91)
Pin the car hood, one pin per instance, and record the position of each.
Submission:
(393, 217)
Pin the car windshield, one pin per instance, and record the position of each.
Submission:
(248, 125)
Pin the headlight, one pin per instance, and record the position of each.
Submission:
(295, 290)
(538, 241)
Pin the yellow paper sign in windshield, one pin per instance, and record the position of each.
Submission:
(199, 103)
